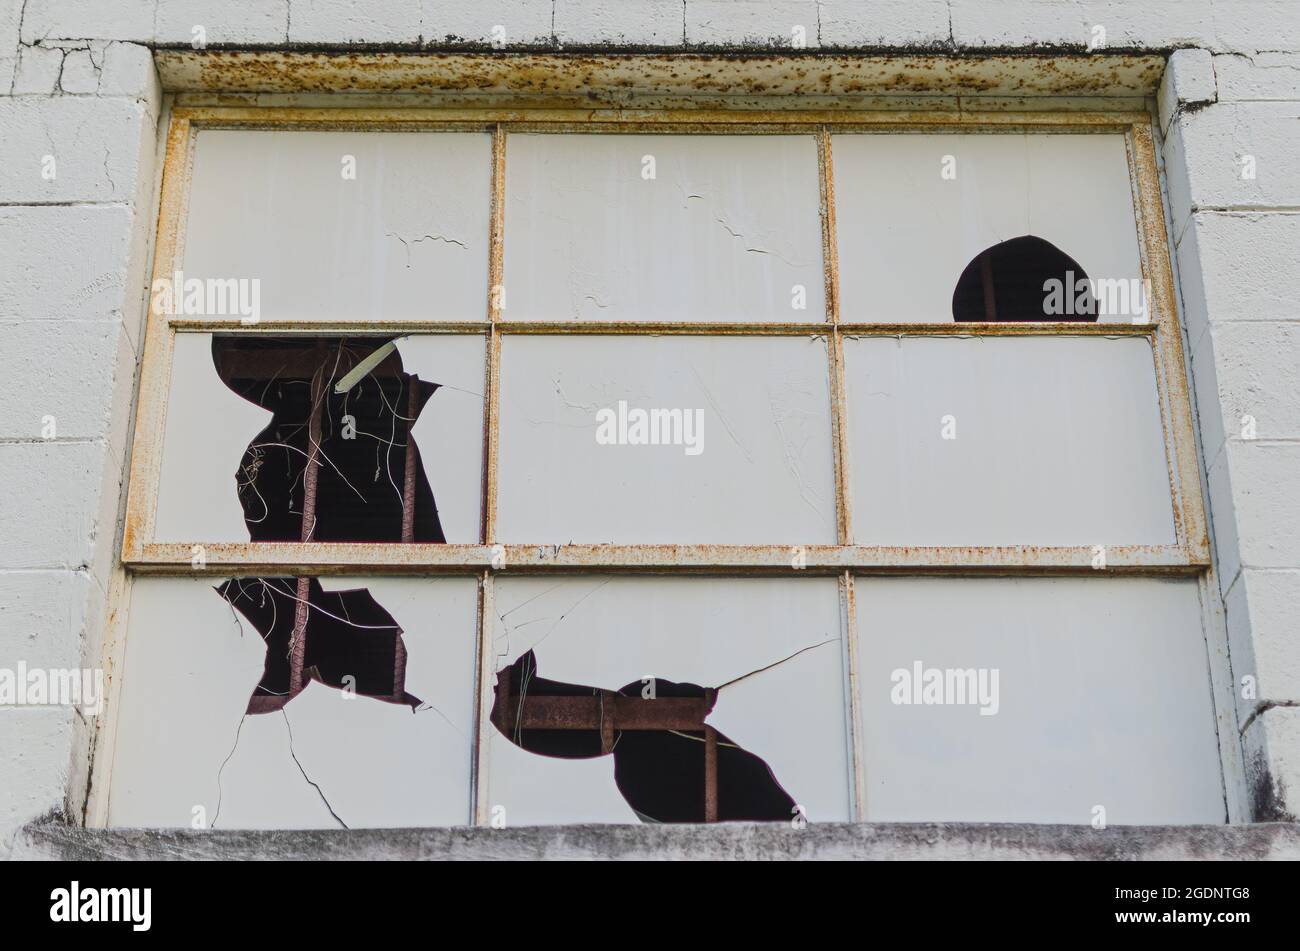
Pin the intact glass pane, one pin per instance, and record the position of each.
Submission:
(663, 227)
(1006, 441)
(349, 226)
(1036, 700)
(665, 439)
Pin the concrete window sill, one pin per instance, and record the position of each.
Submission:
(56, 840)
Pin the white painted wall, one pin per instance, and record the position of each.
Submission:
(76, 80)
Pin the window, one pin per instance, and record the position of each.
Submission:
(515, 471)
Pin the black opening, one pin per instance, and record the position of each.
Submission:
(1024, 279)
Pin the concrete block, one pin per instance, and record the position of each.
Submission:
(1238, 267)
(51, 522)
(1240, 156)
(1247, 369)
(202, 23)
(752, 23)
(80, 74)
(1151, 25)
(1246, 26)
(129, 72)
(346, 21)
(909, 24)
(88, 19)
(1264, 487)
(1188, 80)
(1261, 635)
(64, 261)
(36, 748)
(43, 615)
(37, 71)
(11, 12)
(71, 148)
(1272, 752)
(1018, 23)
(500, 23)
(1263, 76)
(656, 23)
(63, 379)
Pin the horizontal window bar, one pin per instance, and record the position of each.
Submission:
(266, 558)
(364, 325)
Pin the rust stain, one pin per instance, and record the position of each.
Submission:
(559, 73)
(320, 558)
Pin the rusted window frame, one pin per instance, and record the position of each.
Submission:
(1188, 556)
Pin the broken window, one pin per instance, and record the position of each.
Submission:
(243, 432)
(669, 765)
(667, 700)
(344, 639)
(563, 489)
(338, 460)
(922, 219)
(205, 740)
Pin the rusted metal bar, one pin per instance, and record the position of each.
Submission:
(1175, 398)
(310, 477)
(883, 327)
(484, 681)
(606, 729)
(408, 484)
(986, 279)
(835, 340)
(496, 303)
(323, 558)
(710, 774)
(155, 369)
(606, 710)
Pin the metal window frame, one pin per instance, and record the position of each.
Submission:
(1188, 556)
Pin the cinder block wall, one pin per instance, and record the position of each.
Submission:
(77, 83)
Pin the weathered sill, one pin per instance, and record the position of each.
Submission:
(56, 840)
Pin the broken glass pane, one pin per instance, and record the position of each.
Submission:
(242, 426)
(192, 750)
(912, 211)
(686, 691)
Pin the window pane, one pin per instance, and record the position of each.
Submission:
(914, 211)
(665, 439)
(205, 723)
(1006, 441)
(1098, 694)
(239, 433)
(663, 227)
(641, 652)
(344, 225)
